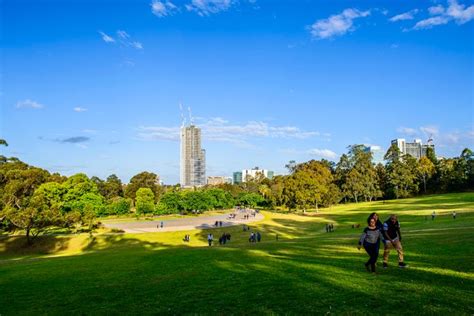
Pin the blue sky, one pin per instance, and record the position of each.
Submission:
(95, 86)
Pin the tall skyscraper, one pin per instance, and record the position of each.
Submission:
(193, 158)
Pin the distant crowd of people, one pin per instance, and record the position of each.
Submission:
(329, 228)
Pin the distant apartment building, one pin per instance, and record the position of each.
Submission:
(377, 153)
(193, 158)
(216, 180)
(256, 173)
(237, 177)
(415, 149)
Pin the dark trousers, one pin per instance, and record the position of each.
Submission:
(373, 252)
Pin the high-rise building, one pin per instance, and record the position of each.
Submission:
(237, 177)
(193, 158)
(415, 149)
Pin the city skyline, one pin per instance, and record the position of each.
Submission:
(96, 88)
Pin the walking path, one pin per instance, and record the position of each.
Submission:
(204, 222)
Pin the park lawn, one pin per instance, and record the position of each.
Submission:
(306, 271)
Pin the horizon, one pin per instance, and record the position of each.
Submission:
(96, 88)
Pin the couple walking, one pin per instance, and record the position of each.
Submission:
(389, 233)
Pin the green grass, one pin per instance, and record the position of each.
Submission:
(307, 271)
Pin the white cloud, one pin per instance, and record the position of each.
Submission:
(218, 129)
(123, 34)
(208, 7)
(29, 104)
(137, 45)
(439, 9)
(337, 25)
(163, 8)
(79, 109)
(404, 16)
(459, 13)
(407, 131)
(429, 130)
(123, 39)
(107, 38)
(323, 153)
(430, 22)
(453, 12)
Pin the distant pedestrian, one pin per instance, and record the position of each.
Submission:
(161, 224)
(454, 214)
(210, 238)
(327, 228)
(252, 237)
(220, 223)
(433, 215)
(259, 237)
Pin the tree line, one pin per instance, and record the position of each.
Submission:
(34, 200)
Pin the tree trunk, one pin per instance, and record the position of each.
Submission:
(28, 238)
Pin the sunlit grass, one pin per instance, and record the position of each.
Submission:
(307, 271)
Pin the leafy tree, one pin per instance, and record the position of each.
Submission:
(250, 199)
(3, 142)
(34, 215)
(113, 187)
(145, 201)
(143, 180)
(426, 170)
(119, 206)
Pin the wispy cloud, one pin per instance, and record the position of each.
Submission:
(29, 104)
(407, 131)
(430, 130)
(337, 25)
(107, 38)
(163, 8)
(323, 153)
(73, 140)
(404, 16)
(435, 10)
(79, 109)
(122, 39)
(208, 7)
(221, 130)
(431, 22)
(454, 11)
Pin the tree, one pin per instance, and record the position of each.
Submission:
(402, 176)
(113, 187)
(119, 206)
(426, 170)
(145, 201)
(143, 180)
(250, 199)
(34, 216)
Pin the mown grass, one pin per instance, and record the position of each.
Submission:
(307, 271)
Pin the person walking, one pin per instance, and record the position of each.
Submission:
(454, 214)
(161, 225)
(259, 237)
(210, 239)
(393, 239)
(433, 215)
(369, 239)
(379, 226)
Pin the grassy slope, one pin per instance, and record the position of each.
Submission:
(306, 271)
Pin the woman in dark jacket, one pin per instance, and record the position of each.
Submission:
(370, 239)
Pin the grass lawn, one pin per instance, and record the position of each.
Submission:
(307, 271)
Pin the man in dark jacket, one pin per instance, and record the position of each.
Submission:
(393, 239)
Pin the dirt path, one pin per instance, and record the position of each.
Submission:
(204, 222)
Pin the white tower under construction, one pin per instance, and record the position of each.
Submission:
(193, 157)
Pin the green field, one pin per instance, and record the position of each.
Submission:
(307, 271)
